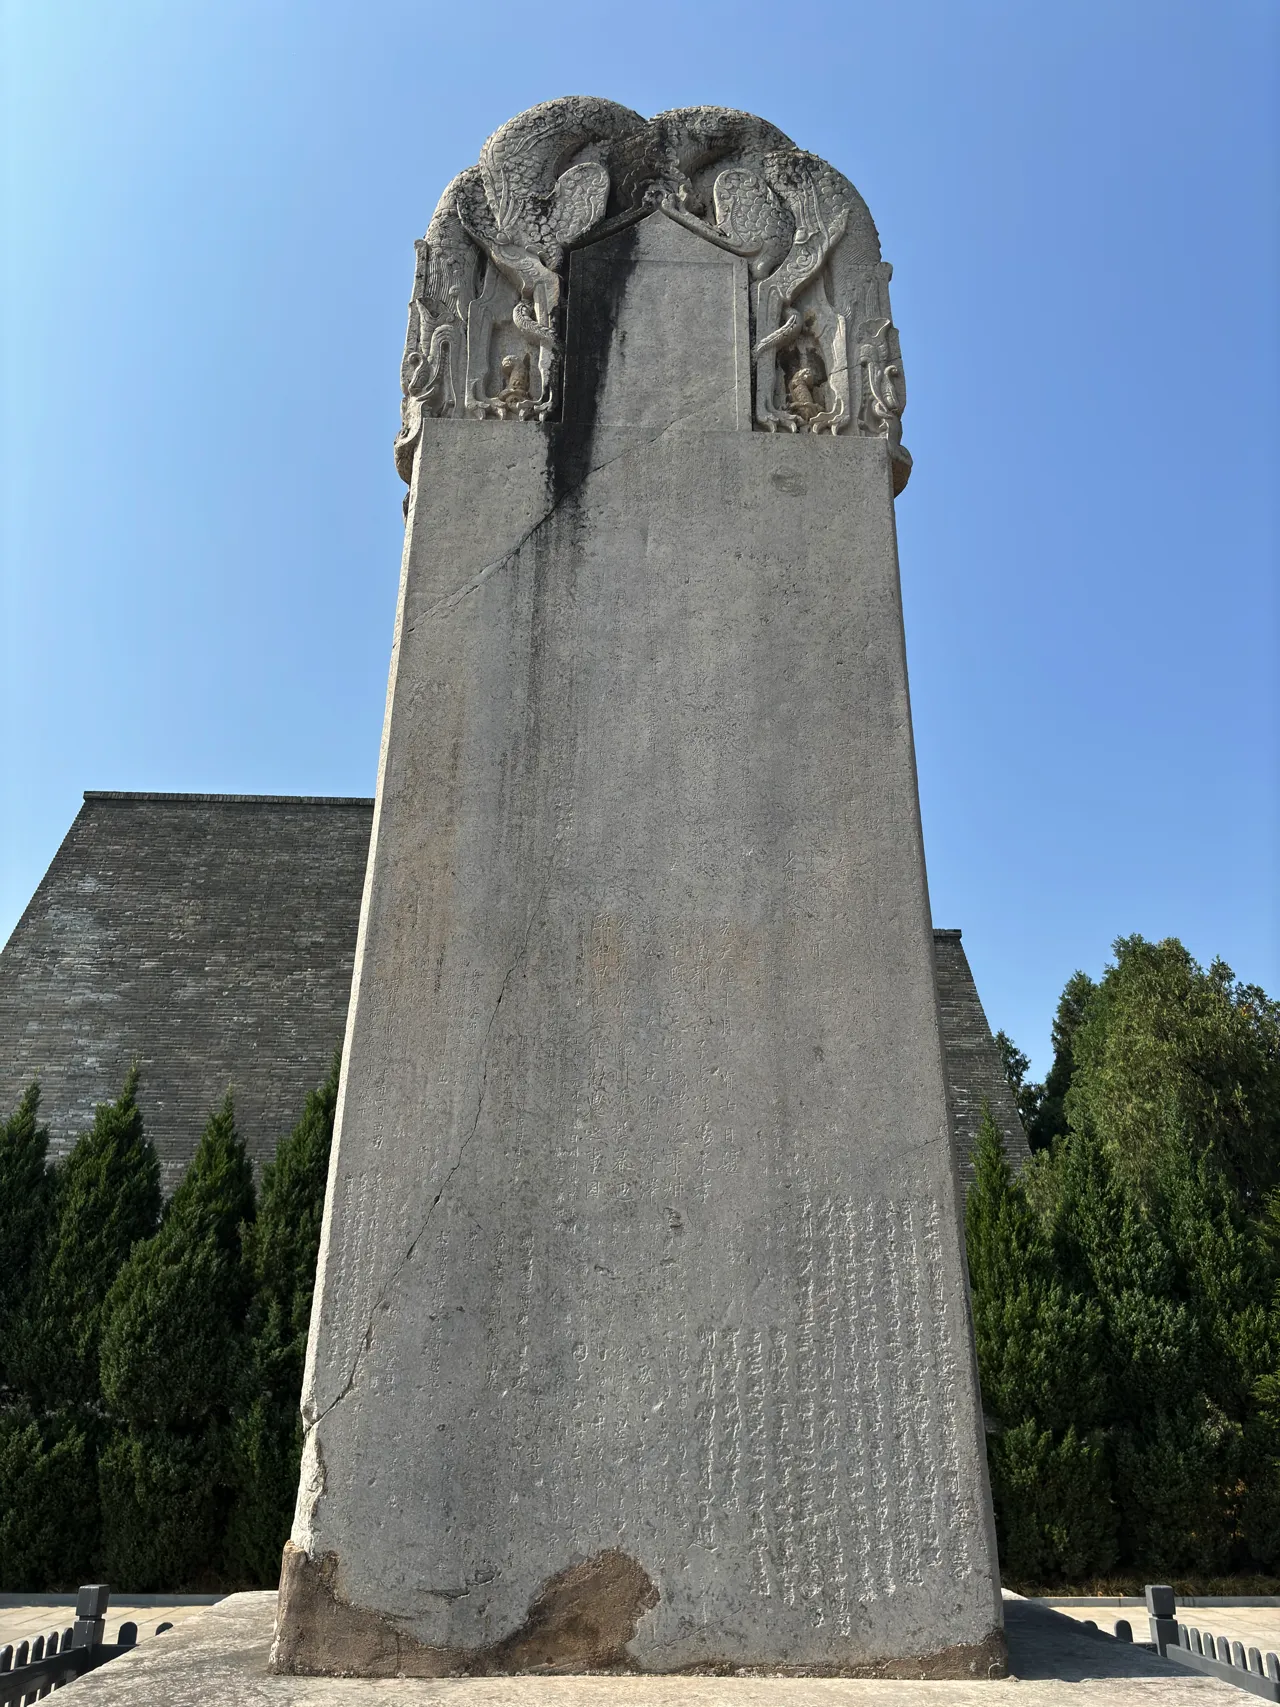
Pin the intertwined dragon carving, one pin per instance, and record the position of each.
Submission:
(484, 319)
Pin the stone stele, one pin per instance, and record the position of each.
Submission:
(641, 1337)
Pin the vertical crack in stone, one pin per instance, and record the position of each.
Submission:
(389, 1286)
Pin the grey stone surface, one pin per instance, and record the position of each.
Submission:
(220, 1656)
(681, 357)
(641, 1333)
(208, 937)
(974, 1070)
(213, 941)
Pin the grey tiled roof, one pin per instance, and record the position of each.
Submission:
(211, 937)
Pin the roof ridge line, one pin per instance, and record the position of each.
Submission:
(233, 799)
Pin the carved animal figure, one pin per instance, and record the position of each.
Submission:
(517, 208)
(756, 221)
(526, 202)
(538, 200)
(819, 200)
(658, 164)
(580, 165)
(800, 194)
(885, 389)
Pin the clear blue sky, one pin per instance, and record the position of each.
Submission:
(208, 231)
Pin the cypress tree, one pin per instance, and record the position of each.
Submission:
(280, 1253)
(1262, 1506)
(26, 1212)
(1046, 1116)
(1038, 1345)
(108, 1198)
(96, 1205)
(170, 1333)
(1173, 1136)
(48, 1512)
(47, 1536)
(1170, 1060)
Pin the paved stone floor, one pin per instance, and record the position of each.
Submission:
(23, 1621)
(219, 1655)
(1255, 1626)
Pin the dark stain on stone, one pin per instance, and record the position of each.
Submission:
(318, 1633)
(581, 1620)
(599, 275)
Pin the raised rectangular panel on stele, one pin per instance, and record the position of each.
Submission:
(641, 1337)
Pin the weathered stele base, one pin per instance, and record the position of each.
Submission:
(582, 1620)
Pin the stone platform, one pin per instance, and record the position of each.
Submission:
(218, 1658)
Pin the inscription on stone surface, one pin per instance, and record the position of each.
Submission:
(640, 1338)
(823, 1445)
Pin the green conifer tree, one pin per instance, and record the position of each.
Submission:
(1173, 1137)
(1181, 1279)
(280, 1253)
(1038, 1347)
(101, 1201)
(170, 1342)
(48, 1508)
(47, 1536)
(108, 1198)
(26, 1212)
(1262, 1508)
(1171, 1059)
(1046, 1114)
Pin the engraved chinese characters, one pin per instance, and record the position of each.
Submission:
(486, 330)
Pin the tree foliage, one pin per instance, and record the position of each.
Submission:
(170, 1355)
(49, 1529)
(149, 1432)
(280, 1253)
(26, 1213)
(1026, 1097)
(1039, 1351)
(1137, 1243)
(108, 1198)
(80, 1222)
(1170, 1058)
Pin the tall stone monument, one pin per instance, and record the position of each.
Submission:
(641, 1336)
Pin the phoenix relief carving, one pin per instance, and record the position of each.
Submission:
(484, 338)
(485, 334)
(788, 219)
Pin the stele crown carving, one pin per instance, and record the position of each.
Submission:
(485, 338)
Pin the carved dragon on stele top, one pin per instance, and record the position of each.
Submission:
(485, 334)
